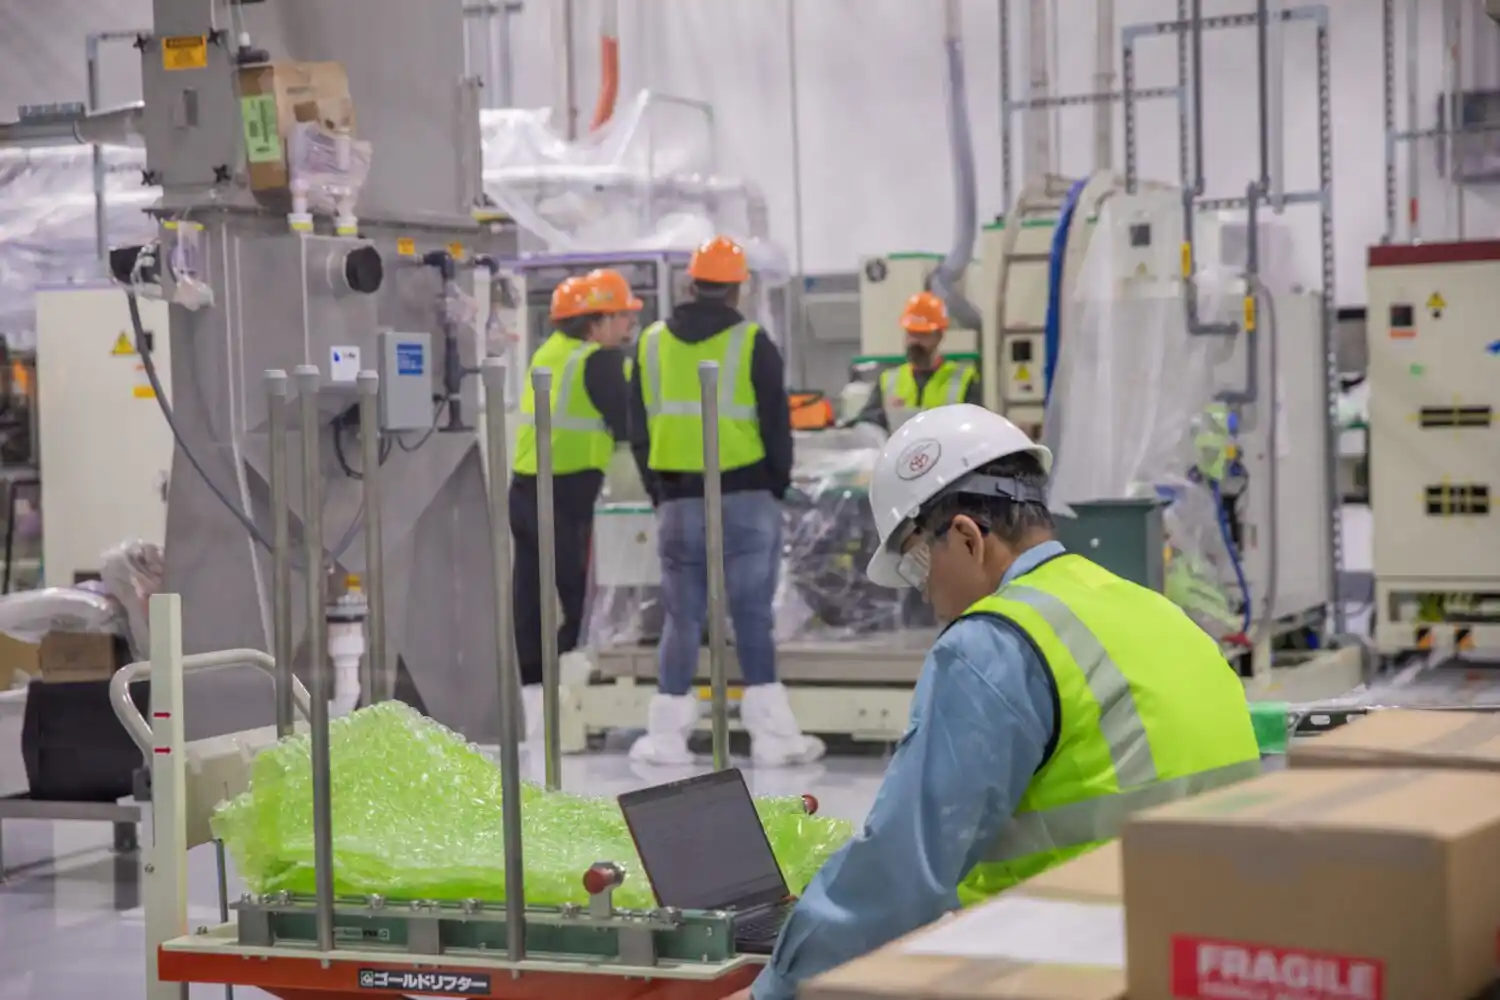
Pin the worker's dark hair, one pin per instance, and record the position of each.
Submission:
(716, 291)
(579, 327)
(1007, 520)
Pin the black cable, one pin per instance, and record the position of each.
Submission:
(338, 450)
(437, 416)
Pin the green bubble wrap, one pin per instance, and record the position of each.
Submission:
(416, 815)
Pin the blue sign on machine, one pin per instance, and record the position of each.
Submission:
(410, 359)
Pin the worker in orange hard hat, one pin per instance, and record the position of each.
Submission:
(927, 379)
(755, 451)
(592, 316)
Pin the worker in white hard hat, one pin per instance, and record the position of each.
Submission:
(1058, 699)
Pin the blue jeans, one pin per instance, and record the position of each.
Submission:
(752, 565)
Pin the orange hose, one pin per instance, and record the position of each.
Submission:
(609, 81)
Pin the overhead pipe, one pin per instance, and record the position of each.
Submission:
(609, 65)
(1104, 83)
(1273, 75)
(567, 82)
(1453, 30)
(950, 271)
(1034, 126)
(1193, 188)
(1413, 122)
(111, 127)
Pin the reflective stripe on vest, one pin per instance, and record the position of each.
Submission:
(1104, 766)
(675, 425)
(944, 387)
(580, 436)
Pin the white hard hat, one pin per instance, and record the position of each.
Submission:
(928, 454)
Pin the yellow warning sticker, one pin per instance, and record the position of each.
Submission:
(123, 347)
(706, 693)
(406, 247)
(456, 251)
(1436, 301)
(1023, 374)
(144, 392)
(184, 52)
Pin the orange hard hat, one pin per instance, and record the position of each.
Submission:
(571, 298)
(720, 260)
(925, 313)
(609, 292)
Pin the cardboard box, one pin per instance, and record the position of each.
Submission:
(1317, 885)
(70, 657)
(18, 662)
(1395, 738)
(273, 97)
(1059, 936)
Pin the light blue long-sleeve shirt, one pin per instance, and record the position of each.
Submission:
(981, 722)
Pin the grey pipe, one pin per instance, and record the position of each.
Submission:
(1413, 121)
(308, 381)
(492, 372)
(374, 680)
(111, 127)
(277, 403)
(546, 533)
(1263, 88)
(1453, 22)
(950, 271)
(1193, 188)
(1251, 392)
(1104, 83)
(1195, 33)
(95, 96)
(1276, 129)
(713, 516)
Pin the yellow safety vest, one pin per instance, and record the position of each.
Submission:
(580, 437)
(1150, 713)
(668, 370)
(948, 384)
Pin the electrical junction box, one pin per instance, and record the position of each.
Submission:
(406, 402)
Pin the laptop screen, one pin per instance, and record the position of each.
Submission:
(702, 843)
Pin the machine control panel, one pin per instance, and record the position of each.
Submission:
(406, 386)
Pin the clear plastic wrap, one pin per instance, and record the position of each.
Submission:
(132, 572)
(31, 614)
(47, 221)
(417, 815)
(1132, 411)
(647, 180)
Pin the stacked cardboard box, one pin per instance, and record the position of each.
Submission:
(1368, 871)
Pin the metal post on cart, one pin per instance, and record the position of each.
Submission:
(278, 402)
(374, 681)
(308, 381)
(492, 372)
(546, 533)
(713, 511)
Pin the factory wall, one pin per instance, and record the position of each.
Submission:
(874, 174)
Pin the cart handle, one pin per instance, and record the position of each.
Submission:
(135, 724)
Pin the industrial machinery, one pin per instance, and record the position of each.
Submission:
(340, 946)
(287, 238)
(107, 452)
(1434, 382)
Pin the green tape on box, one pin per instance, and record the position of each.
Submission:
(1269, 719)
(262, 141)
(416, 815)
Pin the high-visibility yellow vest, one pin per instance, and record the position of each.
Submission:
(668, 370)
(580, 437)
(948, 384)
(1150, 713)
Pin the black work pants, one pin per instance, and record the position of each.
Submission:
(573, 499)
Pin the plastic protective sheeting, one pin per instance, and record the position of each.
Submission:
(416, 815)
(1132, 414)
(47, 218)
(646, 180)
(30, 614)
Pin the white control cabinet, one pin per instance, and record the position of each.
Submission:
(106, 450)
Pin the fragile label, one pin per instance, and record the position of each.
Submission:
(184, 52)
(343, 364)
(437, 982)
(1206, 969)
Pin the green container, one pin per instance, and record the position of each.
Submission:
(1123, 536)
(1269, 719)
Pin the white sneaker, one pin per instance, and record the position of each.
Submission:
(573, 668)
(535, 717)
(775, 738)
(670, 719)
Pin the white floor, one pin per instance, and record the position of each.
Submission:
(69, 912)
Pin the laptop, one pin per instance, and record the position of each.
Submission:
(703, 847)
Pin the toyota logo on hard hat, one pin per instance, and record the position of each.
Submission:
(918, 458)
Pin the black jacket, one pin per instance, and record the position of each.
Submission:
(695, 322)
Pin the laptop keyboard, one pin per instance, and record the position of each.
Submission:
(756, 931)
